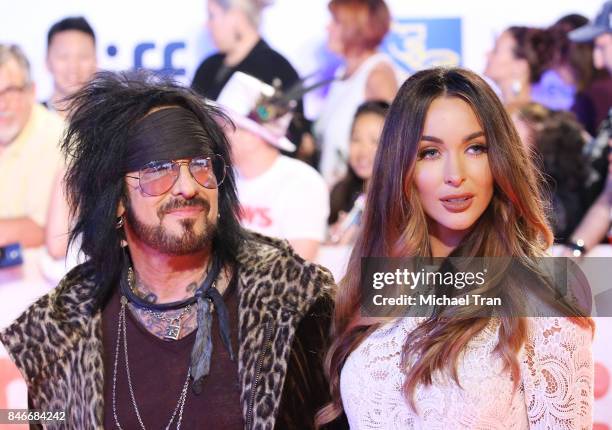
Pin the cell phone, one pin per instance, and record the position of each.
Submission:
(11, 255)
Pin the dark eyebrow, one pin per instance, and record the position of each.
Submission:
(473, 136)
(465, 139)
(431, 139)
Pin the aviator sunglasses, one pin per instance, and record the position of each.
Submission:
(158, 177)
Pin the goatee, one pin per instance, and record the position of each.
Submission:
(157, 237)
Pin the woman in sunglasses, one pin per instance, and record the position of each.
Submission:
(452, 180)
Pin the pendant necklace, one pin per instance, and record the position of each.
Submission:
(205, 296)
(178, 410)
(173, 330)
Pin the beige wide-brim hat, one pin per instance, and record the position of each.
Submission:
(239, 98)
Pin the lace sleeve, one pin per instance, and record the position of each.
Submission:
(557, 374)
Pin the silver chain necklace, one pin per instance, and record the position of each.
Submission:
(173, 330)
(121, 327)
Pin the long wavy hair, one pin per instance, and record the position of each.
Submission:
(394, 225)
(102, 115)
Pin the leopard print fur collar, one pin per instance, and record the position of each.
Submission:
(57, 343)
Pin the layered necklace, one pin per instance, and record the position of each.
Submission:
(202, 349)
(122, 333)
(173, 330)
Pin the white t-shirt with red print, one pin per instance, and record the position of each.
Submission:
(288, 201)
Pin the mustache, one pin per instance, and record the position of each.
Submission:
(182, 203)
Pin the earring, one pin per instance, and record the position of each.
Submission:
(118, 225)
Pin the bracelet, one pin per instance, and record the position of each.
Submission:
(577, 247)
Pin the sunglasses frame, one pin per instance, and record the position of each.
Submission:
(181, 162)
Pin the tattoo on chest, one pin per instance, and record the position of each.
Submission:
(159, 327)
(172, 325)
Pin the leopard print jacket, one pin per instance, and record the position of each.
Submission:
(285, 307)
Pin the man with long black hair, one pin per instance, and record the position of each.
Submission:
(179, 317)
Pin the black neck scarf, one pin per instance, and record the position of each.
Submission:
(207, 292)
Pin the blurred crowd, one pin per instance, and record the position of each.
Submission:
(304, 179)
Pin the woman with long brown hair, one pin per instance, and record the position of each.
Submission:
(451, 179)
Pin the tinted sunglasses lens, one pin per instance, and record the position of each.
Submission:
(158, 179)
(219, 168)
(204, 171)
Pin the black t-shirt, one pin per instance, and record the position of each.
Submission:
(158, 369)
(263, 63)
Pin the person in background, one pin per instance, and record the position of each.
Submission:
(451, 179)
(71, 59)
(527, 119)
(592, 87)
(600, 33)
(350, 191)
(355, 32)
(598, 219)
(279, 196)
(234, 28)
(518, 59)
(558, 144)
(556, 141)
(29, 152)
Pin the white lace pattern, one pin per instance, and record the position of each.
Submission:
(556, 389)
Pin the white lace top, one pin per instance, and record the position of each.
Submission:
(556, 389)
